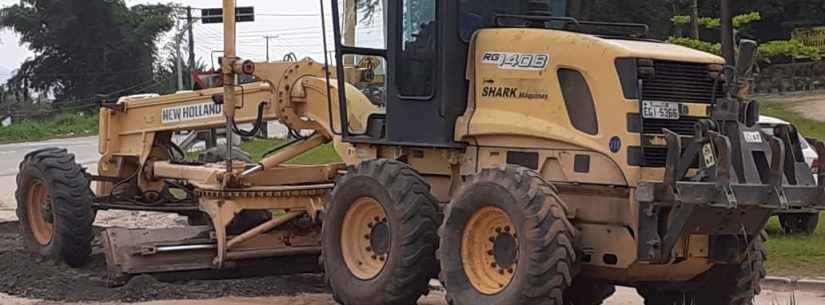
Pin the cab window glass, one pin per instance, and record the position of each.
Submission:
(416, 74)
(363, 24)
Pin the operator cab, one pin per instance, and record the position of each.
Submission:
(410, 57)
(416, 53)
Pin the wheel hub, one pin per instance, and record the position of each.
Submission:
(365, 238)
(505, 249)
(380, 238)
(489, 250)
(39, 213)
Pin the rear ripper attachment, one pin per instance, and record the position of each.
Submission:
(726, 181)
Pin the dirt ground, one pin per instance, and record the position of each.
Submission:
(810, 105)
(25, 276)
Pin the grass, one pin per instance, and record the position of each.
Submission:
(320, 155)
(808, 128)
(59, 126)
(797, 255)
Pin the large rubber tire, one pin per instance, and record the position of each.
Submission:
(69, 199)
(799, 223)
(585, 291)
(411, 217)
(544, 263)
(730, 284)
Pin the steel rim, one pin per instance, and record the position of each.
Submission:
(489, 250)
(40, 213)
(365, 238)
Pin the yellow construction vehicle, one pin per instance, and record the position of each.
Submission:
(518, 157)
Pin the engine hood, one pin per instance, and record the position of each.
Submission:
(662, 50)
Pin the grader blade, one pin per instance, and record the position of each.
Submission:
(189, 253)
(137, 251)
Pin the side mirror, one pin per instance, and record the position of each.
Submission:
(747, 56)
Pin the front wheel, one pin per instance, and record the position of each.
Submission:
(379, 235)
(506, 240)
(54, 205)
(724, 284)
(801, 223)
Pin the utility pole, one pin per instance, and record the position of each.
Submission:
(178, 40)
(178, 59)
(191, 22)
(350, 23)
(267, 45)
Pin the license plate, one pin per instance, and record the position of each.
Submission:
(660, 110)
(707, 153)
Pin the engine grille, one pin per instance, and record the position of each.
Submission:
(683, 126)
(680, 82)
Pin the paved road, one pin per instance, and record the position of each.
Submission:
(84, 148)
(624, 296)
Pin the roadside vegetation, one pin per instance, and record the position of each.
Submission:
(797, 255)
(809, 128)
(59, 126)
(320, 155)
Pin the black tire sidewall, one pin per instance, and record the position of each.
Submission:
(474, 198)
(810, 222)
(73, 215)
(355, 289)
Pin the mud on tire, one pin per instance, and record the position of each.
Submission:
(54, 205)
(383, 216)
(543, 264)
(730, 284)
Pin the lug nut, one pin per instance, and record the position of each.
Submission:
(510, 270)
(498, 230)
(507, 229)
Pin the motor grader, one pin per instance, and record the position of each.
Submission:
(518, 157)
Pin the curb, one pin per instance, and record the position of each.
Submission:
(789, 284)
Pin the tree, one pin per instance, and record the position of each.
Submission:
(166, 78)
(84, 48)
(767, 50)
(655, 13)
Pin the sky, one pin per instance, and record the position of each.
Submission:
(295, 25)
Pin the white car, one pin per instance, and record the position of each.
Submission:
(795, 222)
(769, 123)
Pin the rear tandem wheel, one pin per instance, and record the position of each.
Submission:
(506, 240)
(379, 235)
